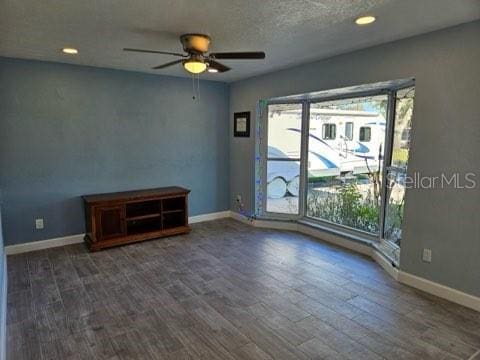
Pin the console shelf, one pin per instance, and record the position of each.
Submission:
(124, 217)
(142, 217)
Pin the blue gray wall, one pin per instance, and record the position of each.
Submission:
(3, 292)
(71, 130)
(446, 138)
(67, 131)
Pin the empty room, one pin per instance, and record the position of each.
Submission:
(230, 180)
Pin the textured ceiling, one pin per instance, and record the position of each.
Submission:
(289, 31)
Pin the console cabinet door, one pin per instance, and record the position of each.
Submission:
(110, 221)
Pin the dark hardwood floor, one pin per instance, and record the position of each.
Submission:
(225, 291)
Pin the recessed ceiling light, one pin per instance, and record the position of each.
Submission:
(212, 70)
(365, 20)
(70, 51)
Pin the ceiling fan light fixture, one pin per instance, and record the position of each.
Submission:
(365, 20)
(197, 58)
(195, 66)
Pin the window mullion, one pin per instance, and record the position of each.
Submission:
(387, 156)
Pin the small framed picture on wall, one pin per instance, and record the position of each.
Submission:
(241, 124)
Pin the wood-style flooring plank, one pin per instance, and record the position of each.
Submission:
(225, 291)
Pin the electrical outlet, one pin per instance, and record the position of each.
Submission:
(427, 255)
(39, 224)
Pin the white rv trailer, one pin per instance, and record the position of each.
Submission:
(340, 142)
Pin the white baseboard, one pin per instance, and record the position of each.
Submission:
(208, 217)
(241, 218)
(78, 238)
(43, 244)
(335, 239)
(278, 225)
(3, 312)
(385, 264)
(445, 292)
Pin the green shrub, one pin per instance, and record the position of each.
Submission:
(345, 206)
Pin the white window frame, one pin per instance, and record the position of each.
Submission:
(263, 148)
(265, 159)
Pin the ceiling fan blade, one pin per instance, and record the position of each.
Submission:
(239, 55)
(167, 64)
(155, 52)
(216, 65)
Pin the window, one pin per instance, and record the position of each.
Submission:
(343, 178)
(396, 169)
(355, 185)
(365, 134)
(283, 158)
(349, 130)
(329, 131)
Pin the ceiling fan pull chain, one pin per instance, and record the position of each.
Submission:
(193, 86)
(198, 86)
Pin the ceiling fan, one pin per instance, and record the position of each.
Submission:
(197, 58)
